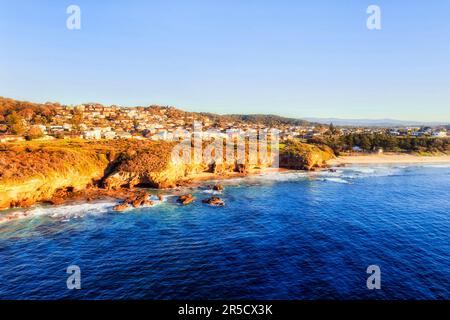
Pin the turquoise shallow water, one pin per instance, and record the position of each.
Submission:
(280, 236)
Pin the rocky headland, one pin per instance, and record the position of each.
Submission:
(60, 171)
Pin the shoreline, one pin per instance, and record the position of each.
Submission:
(198, 179)
(388, 158)
(195, 180)
(98, 194)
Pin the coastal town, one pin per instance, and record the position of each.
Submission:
(93, 121)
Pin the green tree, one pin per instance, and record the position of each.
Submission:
(332, 129)
(365, 142)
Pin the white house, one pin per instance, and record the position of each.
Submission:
(109, 135)
(439, 134)
(92, 134)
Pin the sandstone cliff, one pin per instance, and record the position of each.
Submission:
(159, 170)
(29, 175)
(301, 156)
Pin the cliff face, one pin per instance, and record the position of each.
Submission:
(26, 193)
(166, 178)
(150, 166)
(34, 173)
(171, 174)
(155, 170)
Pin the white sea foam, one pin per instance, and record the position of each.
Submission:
(280, 176)
(211, 192)
(367, 172)
(336, 180)
(71, 211)
(436, 165)
(63, 213)
(338, 175)
(156, 201)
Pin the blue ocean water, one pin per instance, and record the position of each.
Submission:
(288, 235)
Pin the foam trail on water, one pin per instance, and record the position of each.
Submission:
(156, 201)
(356, 172)
(62, 212)
(211, 191)
(74, 210)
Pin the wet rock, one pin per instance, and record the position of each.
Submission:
(121, 207)
(214, 201)
(148, 203)
(56, 201)
(160, 197)
(137, 203)
(25, 203)
(185, 199)
(218, 187)
(139, 199)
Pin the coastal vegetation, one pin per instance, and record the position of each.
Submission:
(373, 141)
(257, 119)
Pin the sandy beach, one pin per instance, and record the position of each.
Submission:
(387, 158)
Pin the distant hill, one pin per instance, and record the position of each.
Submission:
(268, 120)
(374, 122)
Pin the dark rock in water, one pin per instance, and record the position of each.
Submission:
(25, 203)
(331, 170)
(185, 199)
(137, 203)
(129, 199)
(143, 198)
(137, 200)
(218, 187)
(214, 201)
(121, 207)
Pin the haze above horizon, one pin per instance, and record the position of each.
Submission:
(287, 58)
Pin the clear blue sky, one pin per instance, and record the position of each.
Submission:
(294, 58)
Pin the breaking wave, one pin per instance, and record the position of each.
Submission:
(66, 212)
(71, 211)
